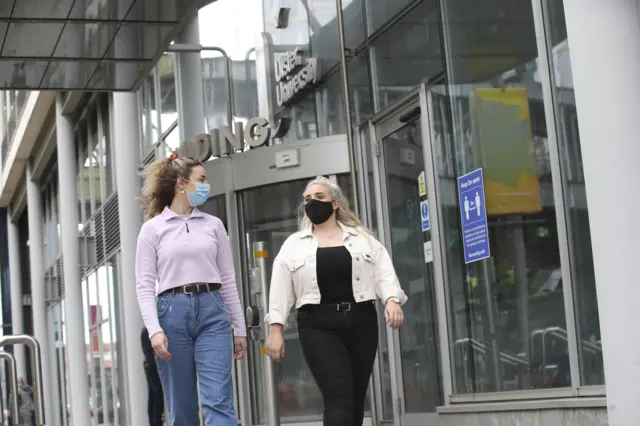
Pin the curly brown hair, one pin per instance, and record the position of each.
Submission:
(160, 179)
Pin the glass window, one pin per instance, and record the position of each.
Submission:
(407, 53)
(295, 33)
(589, 345)
(507, 317)
(168, 106)
(105, 144)
(93, 163)
(149, 113)
(323, 24)
(217, 206)
(380, 12)
(82, 180)
(111, 345)
(61, 360)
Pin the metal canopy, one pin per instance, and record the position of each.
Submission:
(88, 45)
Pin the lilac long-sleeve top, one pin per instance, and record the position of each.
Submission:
(175, 250)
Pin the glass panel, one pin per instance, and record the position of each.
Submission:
(22, 74)
(214, 73)
(93, 161)
(111, 343)
(149, 111)
(83, 177)
(381, 11)
(383, 346)
(68, 75)
(114, 75)
(85, 40)
(403, 162)
(323, 25)
(106, 146)
(407, 53)
(506, 311)
(88, 298)
(270, 214)
(158, 10)
(168, 106)
(36, 9)
(148, 39)
(217, 206)
(589, 347)
(61, 357)
(31, 39)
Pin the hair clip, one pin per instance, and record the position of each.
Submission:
(173, 156)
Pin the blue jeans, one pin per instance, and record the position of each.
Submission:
(198, 329)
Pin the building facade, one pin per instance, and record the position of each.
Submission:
(467, 142)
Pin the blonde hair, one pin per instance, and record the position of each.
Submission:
(160, 179)
(344, 214)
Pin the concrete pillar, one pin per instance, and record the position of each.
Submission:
(38, 293)
(74, 309)
(190, 90)
(127, 161)
(15, 283)
(604, 36)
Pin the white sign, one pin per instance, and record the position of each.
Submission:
(294, 75)
(428, 252)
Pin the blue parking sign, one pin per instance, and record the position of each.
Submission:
(473, 214)
(424, 215)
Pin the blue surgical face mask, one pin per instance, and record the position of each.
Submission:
(200, 195)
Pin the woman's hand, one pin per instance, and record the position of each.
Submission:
(161, 346)
(240, 347)
(275, 343)
(393, 314)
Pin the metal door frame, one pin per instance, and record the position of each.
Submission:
(231, 176)
(382, 125)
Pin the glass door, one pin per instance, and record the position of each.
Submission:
(270, 213)
(407, 233)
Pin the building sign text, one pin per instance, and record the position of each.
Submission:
(294, 76)
(225, 141)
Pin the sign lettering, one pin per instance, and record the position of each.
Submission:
(294, 76)
(225, 141)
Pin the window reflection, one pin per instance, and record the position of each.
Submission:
(589, 345)
(506, 312)
(407, 53)
(168, 106)
(101, 344)
(149, 113)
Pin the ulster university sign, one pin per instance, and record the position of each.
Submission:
(295, 76)
(225, 141)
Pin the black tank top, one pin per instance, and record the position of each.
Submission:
(334, 270)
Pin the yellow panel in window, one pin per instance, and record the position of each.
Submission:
(504, 146)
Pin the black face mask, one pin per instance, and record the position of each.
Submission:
(318, 211)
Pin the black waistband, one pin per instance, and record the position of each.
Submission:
(337, 307)
(193, 288)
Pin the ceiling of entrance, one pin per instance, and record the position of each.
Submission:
(89, 45)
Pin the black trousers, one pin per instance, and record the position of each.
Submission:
(155, 404)
(340, 348)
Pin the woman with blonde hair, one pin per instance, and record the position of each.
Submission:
(332, 270)
(194, 318)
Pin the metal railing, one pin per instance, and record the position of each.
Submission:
(537, 361)
(36, 369)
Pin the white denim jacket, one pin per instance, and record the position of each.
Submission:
(294, 278)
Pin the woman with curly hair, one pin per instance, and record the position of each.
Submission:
(187, 293)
